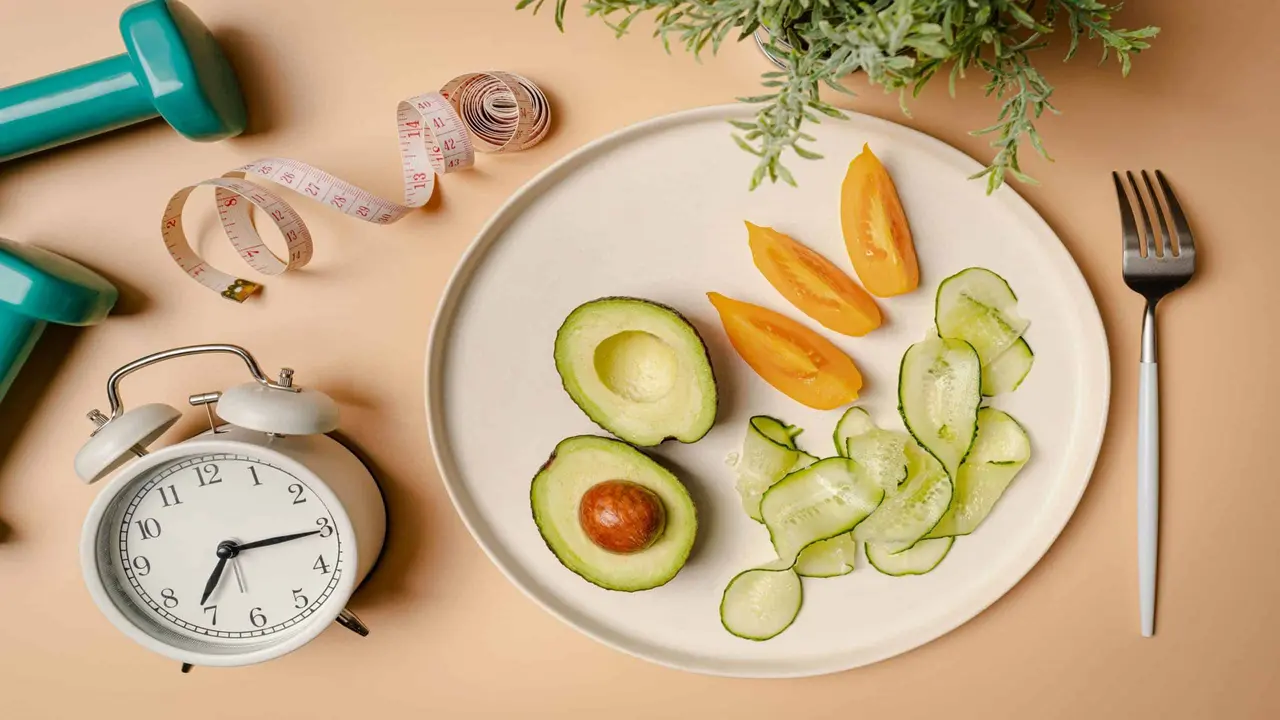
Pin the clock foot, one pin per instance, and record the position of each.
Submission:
(348, 620)
(186, 668)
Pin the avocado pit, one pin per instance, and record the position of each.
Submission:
(621, 517)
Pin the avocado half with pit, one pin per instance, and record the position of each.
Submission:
(612, 515)
(638, 369)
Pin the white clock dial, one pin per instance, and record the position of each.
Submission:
(167, 528)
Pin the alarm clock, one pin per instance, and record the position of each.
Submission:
(235, 546)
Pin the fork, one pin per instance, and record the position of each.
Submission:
(1153, 269)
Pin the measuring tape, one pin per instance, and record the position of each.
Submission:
(439, 132)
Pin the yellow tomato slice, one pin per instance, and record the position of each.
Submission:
(797, 361)
(875, 228)
(812, 283)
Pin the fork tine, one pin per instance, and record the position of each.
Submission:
(1185, 241)
(1166, 238)
(1153, 248)
(1128, 227)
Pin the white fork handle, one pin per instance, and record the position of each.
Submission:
(1148, 492)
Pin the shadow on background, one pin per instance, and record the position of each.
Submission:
(47, 359)
(260, 94)
(28, 390)
(403, 542)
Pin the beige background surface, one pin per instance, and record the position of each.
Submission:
(451, 637)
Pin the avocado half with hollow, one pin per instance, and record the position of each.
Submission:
(612, 515)
(638, 369)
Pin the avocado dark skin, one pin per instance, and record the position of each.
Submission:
(622, 517)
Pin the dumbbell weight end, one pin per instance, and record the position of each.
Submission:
(38, 287)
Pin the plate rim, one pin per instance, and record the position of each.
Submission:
(485, 237)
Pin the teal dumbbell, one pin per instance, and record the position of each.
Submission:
(38, 287)
(173, 68)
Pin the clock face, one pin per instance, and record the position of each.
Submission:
(280, 560)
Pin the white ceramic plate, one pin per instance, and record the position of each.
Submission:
(655, 211)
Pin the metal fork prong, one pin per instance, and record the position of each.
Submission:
(1166, 238)
(1128, 226)
(1185, 242)
(1153, 248)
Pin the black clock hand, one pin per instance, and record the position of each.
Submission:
(228, 550)
(217, 574)
(272, 541)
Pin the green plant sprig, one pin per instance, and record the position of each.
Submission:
(900, 45)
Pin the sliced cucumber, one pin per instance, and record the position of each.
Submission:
(999, 453)
(774, 429)
(758, 604)
(978, 306)
(918, 560)
(854, 422)
(1006, 372)
(939, 389)
(906, 517)
(878, 452)
(803, 460)
(821, 501)
(768, 453)
(828, 558)
(882, 455)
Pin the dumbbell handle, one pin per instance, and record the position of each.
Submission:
(71, 105)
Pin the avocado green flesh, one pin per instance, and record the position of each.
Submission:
(580, 463)
(637, 369)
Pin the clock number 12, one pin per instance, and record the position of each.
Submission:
(208, 475)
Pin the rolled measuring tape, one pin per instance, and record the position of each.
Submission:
(440, 132)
